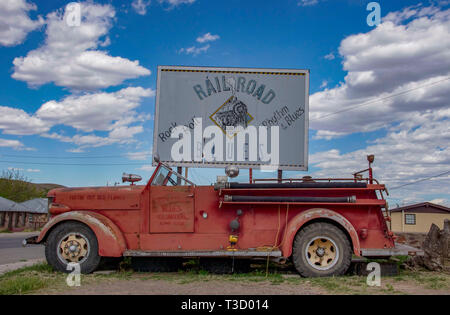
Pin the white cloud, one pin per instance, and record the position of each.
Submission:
(32, 170)
(114, 113)
(69, 57)
(175, 3)
(194, 50)
(75, 150)
(15, 144)
(84, 141)
(208, 37)
(15, 23)
(18, 169)
(146, 168)
(400, 73)
(392, 58)
(306, 3)
(96, 111)
(15, 121)
(140, 6)
(139, 156)
(111, 112)
(416, 148)
(329, 56)
(439, 201)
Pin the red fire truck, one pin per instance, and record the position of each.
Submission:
(318, 224)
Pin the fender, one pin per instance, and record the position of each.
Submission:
(111, 242)
(298, 221)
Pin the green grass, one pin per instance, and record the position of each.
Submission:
(42, 277)
(27, 279)
(435, 281)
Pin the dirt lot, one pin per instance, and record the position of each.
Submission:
(41, 279)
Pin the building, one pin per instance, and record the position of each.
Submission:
(38, 212)
(31, 214)
(418, 218)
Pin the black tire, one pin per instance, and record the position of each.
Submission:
(156, 264)
(321, 232)
(88, 263)
(225, 265)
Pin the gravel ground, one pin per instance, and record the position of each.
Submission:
(155, 287)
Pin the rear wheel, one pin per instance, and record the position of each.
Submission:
(321, 250)
(72, 242)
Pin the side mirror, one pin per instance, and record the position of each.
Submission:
(156, 158)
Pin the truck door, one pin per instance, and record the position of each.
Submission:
(171, 203)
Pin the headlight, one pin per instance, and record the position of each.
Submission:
(50, 201)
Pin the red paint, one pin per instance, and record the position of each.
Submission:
(196, 218)
(110, 239)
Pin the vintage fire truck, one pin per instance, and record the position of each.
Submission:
(318, 224)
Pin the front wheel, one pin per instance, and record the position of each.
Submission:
(321, 250)
(72, 242)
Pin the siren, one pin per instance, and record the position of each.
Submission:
(232, 171)
(132, 178)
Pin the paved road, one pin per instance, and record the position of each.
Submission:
(11, 250)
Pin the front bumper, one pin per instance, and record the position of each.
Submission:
(32, 240)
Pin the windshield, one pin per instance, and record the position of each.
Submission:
(166, 177)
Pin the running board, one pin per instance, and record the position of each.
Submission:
(398, 250)
(221, 253)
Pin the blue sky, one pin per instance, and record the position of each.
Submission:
(77, 103)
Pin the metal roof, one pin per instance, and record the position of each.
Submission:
(5, 204)
(423, 204)
(38, 205)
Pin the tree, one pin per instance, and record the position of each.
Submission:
(16, 187)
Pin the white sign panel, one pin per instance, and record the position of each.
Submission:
(213, 117)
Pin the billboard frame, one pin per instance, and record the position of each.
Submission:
(221, 164)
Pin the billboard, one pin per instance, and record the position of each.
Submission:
(214, 117)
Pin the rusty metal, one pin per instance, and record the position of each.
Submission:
(302, 218)
(111, 241)
(399, 250)
(172, 209)
(322, 253)
(224, 253)
(73, 248)
(194, 221)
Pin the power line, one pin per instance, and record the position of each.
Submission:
(74, 157)
(147, 155)
(72, 164)
(144, 155)
(380, 99)
(420, 180)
